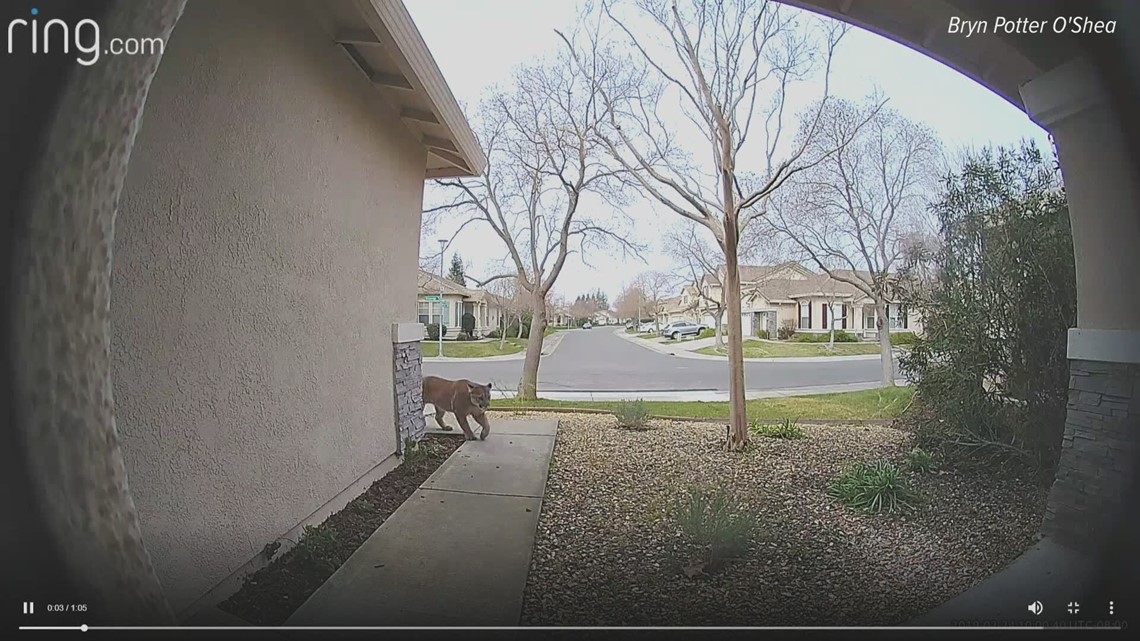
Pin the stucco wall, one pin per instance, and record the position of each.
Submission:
(266, 240)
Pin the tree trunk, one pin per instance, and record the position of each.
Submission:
(502, 330)
(528, 385)
(831, 326)
(737, 417)
(888, 357)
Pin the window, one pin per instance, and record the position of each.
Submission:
(869, 317)
(838, 316)
(805, 315)
(424, 312)
(897, 316)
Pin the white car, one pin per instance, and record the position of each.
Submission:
(587, 326)
(646, 328)
(679, 329)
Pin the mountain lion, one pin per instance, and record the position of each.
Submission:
(462, 398)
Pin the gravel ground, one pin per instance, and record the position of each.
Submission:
(607, 551)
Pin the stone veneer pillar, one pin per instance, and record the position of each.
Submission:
(407, 379)
(1100, 439)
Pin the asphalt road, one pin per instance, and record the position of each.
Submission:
(596, 360)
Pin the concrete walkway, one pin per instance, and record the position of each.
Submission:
(549, 344)
(457, 553)
(685, 349)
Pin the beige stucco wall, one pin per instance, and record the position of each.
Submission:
(266, 240)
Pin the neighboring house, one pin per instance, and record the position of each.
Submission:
(605, 317)
(684, 307)
(266, 246)
(456, 301)
(790, 293)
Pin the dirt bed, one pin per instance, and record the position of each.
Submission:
(270, 595)
(608, 551)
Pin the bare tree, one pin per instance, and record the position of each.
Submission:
(656, 286)
(630, 303)
(730, 64)
(544, 159)
(861, 207)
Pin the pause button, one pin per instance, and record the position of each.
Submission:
(29, 607)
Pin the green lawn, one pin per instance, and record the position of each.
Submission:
(884, 403)
(762, 349)
(463, 349)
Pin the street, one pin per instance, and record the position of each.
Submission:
(596, 360)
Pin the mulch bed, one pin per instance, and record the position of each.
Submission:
(270, 595)
(608, 551)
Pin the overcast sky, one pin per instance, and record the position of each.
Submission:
(479, 43)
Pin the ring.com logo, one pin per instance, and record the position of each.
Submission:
(85, 37)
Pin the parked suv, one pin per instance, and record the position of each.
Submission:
(678, 329)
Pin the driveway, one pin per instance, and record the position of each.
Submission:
(596, 360)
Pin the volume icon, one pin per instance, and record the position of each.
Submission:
(1036, 607)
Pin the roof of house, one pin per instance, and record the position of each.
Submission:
(429, 283)
(381, 39)
(674, 305)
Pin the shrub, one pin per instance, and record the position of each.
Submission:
(708, 332)
(919, 460)
(762, 334)
(825, 337)
(990, 369)
(876, 487)
(632, 415)
(433, 330)
(711, 521)
(318, 548)
(494, 333)
(903, 338)
(786, 330)
(786, 429)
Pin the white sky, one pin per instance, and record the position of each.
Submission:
(478, 44)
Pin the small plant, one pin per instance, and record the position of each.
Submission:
(318, 548)
(713, 522)
(270, 549)
(632, 415)
(415, 453)
(787, 429)
(433, 331)
(919, 460)
(876, 487)
(762, 334)
(786, 330)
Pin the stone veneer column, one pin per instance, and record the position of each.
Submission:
(407, 379)
(1100, 440)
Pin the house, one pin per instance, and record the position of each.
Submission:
(266, 246)
(793, 295)
(605, 317)
(438, 298)
(683, 307)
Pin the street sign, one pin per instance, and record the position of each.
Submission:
(434, 299)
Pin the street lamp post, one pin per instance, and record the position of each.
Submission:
(439, 334)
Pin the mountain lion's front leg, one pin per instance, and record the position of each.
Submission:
(486, 423)
(462, 419)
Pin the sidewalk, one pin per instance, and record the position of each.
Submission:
(457, 553)
(549, 344)
(708, 396)
(684, 350)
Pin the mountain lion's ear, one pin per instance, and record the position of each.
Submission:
(471, 387)
(489, 385)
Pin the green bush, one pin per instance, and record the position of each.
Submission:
(876, 487)
(708, 332)
(762, 334)
(786, 429)
(903, 338)
(632, 415)
(433, 331)
(919, 460)
(825, 337)
(712, 521)
(997, 295)
(318, 548)
(494, 333)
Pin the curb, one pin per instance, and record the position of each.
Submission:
(683, 353)
(689, 419)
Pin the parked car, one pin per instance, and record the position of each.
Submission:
(678, 329)
(587, 326)
(647, 327)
